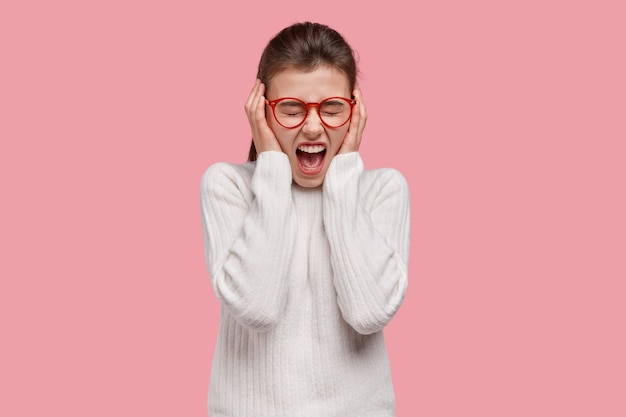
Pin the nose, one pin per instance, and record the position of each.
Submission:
(313, 124)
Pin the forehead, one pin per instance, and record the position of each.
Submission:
(311, 86)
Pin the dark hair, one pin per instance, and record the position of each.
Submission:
(305, 46)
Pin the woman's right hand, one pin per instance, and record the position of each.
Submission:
(263, 137)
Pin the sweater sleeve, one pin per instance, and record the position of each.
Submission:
(249, 230)
(368, 231)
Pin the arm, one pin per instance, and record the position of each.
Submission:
(368, 230)
(249, 231)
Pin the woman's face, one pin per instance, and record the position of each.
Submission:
(311, 146)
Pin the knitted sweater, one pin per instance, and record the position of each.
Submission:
(307, 278)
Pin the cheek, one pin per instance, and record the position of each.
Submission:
(284, 136)
(336, 138)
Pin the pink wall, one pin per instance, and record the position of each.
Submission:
(508, 121)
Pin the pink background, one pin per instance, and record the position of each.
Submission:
(507, 118)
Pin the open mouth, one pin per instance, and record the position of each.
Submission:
(311, 158)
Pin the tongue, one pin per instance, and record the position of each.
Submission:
(310, 160)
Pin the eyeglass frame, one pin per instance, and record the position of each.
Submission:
(307, 106)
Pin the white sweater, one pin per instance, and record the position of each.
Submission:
(307, 278)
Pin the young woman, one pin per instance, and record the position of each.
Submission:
(306, 250)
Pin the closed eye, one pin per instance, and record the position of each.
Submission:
(291, 108)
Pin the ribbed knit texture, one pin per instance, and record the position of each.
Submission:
(307, 279)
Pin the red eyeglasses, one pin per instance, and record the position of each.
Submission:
(291, 112)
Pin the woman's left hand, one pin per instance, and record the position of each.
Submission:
(352, 141)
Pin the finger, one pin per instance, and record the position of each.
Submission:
(252, 107)
(361, 109)
(357, 92)
(253, 91)
(263, 135)
(351, 141)
(353, 138)
(255, 110)
(253, 96)
(360, 102)
(260, 106)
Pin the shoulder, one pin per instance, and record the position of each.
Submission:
(384, 187)
(225, 175)
(384, 179)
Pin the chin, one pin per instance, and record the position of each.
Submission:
(315, 182)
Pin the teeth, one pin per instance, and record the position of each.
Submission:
(311, 148)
